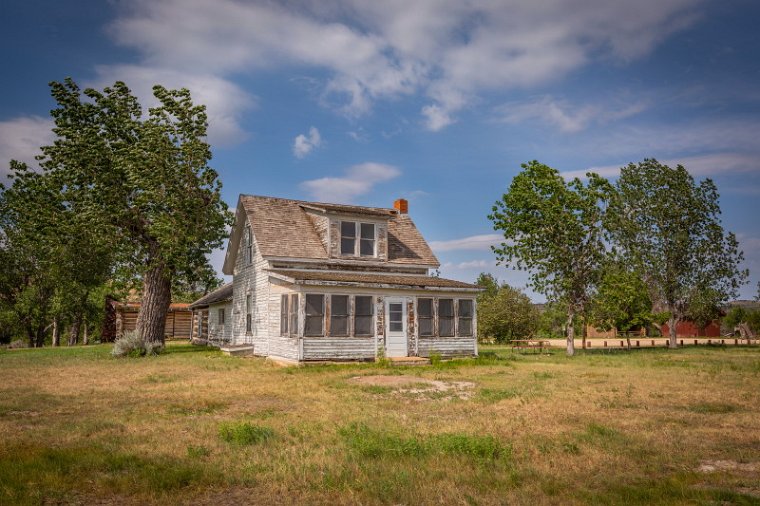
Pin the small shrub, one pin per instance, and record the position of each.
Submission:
(435, 358)
(197, 452)
(496, 394)
(18, 343)
(244, 433)
(712, 408)
(130, 344)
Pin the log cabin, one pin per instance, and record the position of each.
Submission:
(330, 282)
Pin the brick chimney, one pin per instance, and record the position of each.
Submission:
(401, 205)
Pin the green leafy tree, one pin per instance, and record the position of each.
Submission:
(504, 313)
(621, 301)
(143, 182)
(668, 227)
(554, 229)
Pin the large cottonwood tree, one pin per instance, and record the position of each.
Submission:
(667, 226)
(554, 230)
(142, 180)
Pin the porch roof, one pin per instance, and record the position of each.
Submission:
(343, 278)
(219, 295)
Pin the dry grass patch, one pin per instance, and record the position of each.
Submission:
(193, 426)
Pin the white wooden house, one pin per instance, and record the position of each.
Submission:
(315, 281)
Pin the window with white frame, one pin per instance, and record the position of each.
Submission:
(315, 315)
(465, 314)
(363, 313)
(284, 315)
(446, 317)
(339, 315)
(425, 316)
(358, 239)
(293, 308)
(248, 319)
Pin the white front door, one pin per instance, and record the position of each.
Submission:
(395, 327)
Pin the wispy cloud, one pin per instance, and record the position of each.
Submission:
(567, 117)
(473, 242)
(357, 181)
(21, 139)
(303, 145)
(702, 165)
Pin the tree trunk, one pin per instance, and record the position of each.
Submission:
(108, 331)
(74, 332)
(672, 324)
(56, 337)
(85, 335)
(156, 298)
(585, 333)
(570, 334)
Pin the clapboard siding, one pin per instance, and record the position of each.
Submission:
(285, 347)
(345, 348)
(218, 332)
(446, 346)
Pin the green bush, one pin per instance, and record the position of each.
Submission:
(130, 344)
(244, 433)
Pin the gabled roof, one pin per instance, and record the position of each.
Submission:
(284, 229)
(222, 294)
(364, 279)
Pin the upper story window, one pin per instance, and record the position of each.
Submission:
(357, 239)
(248, 246)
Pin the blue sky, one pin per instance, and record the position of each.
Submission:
(436, 101)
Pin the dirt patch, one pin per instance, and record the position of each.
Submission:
(421, 388)
(712, 466)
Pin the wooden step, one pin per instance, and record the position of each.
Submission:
(245, 350)
(409, 361)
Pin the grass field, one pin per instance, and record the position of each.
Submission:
(193, 426)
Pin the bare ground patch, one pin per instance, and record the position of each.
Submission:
(418, 387)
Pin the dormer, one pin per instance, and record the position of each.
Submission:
(285, 230)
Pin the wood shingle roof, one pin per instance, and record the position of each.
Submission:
(283, 229)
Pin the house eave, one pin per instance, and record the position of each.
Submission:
(342, 261)
(364, 284)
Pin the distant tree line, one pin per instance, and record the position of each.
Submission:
(123, 200)
(647, 249)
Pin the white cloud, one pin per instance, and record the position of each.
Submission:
(21, 139)
(436, 117)
(471, 264)
(357, 181)
(702, 165)
(564, 116)
(474, 242)
(303, 145)
(447, 50)
(226, 103)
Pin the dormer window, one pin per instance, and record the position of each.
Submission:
(357, 239)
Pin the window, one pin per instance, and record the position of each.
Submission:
(283, 315)
(339, 315)
(347, 238)
(396, 317)
(357, 239)
(425, 316)
(465, 317)
(446, 317)
(248, 323)
(363, 316)
(248, 246)
(315, 313)
(220, 316)
(294, 314)
(367, 240)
